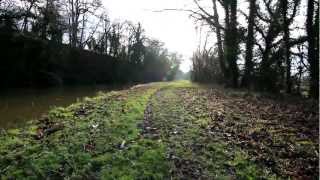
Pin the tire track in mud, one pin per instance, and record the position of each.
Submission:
(148, 129)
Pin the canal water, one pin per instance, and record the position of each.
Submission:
(18, 106)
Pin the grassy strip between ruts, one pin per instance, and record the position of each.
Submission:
(99, 139)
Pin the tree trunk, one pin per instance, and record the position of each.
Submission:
(231, 42)
(312, 54)
(81, 43)
(219, 39)
(265, 82)
(286, 39)
(247, 78)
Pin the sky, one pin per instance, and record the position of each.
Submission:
(174, 28)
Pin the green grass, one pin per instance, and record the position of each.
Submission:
(89, 146)
(106, 137)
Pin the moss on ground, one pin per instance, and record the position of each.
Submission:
(176, 130)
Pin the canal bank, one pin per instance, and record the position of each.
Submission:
(17, 106)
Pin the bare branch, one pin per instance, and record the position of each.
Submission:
(209, 20)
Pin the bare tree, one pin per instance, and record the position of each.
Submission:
(115, 38)
(229, 51)
(28, 6)
(274, 47)
(77, 14)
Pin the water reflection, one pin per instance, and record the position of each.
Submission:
(20, 105)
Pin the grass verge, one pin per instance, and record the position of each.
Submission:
(94, 139)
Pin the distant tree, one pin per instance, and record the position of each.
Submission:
(28, 11)
(156, 62)
(137, 48)
(77, 12)
(103, 39)
(206, 66)
(135, 39)
(114, 38)
(49, 24)
(174, 60)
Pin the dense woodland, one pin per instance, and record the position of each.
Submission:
(275, 50)
(56, 42)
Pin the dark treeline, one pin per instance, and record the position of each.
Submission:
(276, 50)
(55, 42)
